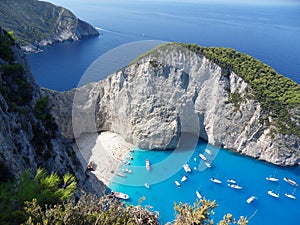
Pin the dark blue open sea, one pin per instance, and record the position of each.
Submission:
(270, 33)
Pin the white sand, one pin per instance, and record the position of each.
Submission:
(107, 151)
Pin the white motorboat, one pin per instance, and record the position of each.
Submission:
(291, 182)
(184, 178)
(207, 164)
(208, 151)
(147, 164)
(187, 168)
(215, 180)
(147, 185)
(271, 193)
(251, 199)
(120, 174)
(126, 170)
(273, 179)
(177, 183)
(290, 196)
(235, 186)
(195, 159)
(198, 195)
(129, 157)
(202, 157)
(120, 195)
(231, 181)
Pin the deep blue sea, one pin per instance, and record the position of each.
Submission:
(270, 33)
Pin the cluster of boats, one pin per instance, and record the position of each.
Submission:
(287, 180)
(204, 158)
(187, 169)
(230, 182)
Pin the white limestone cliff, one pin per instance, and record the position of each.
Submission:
(167, 92)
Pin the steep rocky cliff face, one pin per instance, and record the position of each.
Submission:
(169, 91)
(38, 23)
(29, 138)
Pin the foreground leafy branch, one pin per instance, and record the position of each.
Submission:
(45, 199)
(200, 214)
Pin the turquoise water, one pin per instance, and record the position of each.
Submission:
(249, 173)
(270, 33)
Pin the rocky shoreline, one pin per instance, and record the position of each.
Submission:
(42, 23)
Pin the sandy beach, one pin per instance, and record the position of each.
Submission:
(106, 150)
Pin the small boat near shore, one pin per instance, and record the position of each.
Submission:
(120, 174)
(202, 157)
(148, 164)
(291, 182)
(251, 199)
(198, 195)
(215, 180)
(273, 194)
(125, 162)
(208, 151)
(129, 157)
(184, 178)
(187, 168)
(177, 183)
(235, 186)
(147, 185)
(126, 170)
(120, 195)
(208, 165)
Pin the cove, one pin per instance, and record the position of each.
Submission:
(249, 173)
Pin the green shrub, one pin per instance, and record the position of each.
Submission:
(46, 189)
(14, 86)
(6, 41)
(42, 112)
(15, 69)
(200, 214)
(41, 108)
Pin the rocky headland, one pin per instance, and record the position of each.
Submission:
(29, 136)
(37, 23)
(187, 88)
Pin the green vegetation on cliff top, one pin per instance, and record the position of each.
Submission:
(33, 21)
(279, 96)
